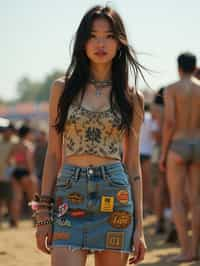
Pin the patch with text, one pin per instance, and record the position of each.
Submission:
(120, 219)
(75, 198)
(115, 240)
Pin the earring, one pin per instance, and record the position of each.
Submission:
(119, 53)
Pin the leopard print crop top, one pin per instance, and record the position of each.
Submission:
(92, 132)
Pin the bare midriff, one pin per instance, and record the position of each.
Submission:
(85, 160)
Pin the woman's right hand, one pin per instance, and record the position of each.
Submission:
(44, 237)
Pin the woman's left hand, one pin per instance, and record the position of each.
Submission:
(139, 246)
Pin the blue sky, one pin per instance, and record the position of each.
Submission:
(35, 36)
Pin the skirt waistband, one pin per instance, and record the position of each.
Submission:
(93, 170)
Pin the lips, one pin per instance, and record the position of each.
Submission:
(100, 53)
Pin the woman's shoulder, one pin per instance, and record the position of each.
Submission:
(60, 82)
(57, 86)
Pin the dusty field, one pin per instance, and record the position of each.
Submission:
(17, 248)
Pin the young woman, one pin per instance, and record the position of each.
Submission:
(97, 198)
(23, 177)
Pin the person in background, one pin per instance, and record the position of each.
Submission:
(6, 193)
(146, 147)
(161, 193)
(23, 175)
(158, 178)
(180, 154)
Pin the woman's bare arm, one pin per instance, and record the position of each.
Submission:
(54, 150)
(131, 157)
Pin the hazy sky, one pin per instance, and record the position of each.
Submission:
(35, 36)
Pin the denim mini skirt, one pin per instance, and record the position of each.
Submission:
(94, 208)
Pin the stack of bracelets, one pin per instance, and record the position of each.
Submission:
(42, 207)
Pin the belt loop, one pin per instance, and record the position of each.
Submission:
(103, 172)
(76, 173)
(125, 167)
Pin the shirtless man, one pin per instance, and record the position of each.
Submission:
(181, 152)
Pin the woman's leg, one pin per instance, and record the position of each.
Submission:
(147, 186)
(29, 186)
(16, 202)
(160, 202)
(176, 176)
(62, 256)
(110, 258)
(194, 177)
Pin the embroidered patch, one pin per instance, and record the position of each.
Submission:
(75, 198)
(120, 219)
(115, 240)
(107, 204)
(62, 209)
(59, 201)
(122, 196)
(77, 213)
(63, 222)
(61, 236)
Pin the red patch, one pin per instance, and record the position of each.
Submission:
(77, 213)
(122, 196)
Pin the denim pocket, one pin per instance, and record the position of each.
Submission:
(72, 191)
(64, 182)
(118, 179)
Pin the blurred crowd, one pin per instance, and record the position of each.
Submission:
(22, 157)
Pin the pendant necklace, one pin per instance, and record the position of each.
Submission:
(100, 84)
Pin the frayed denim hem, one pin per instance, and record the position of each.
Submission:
(92, 250)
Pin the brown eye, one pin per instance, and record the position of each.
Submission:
(92, 36)
(110, 36)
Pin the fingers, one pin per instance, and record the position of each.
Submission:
(138, 253)
(49, 240)
(41, 242)
(136, 250)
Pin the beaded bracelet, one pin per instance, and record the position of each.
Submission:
(44, 222)
(42, 212)
(46, 198)
(44, 204)
(39, 211)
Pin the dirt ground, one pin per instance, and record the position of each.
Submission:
(17, 247)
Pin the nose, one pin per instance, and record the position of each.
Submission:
(100, 41)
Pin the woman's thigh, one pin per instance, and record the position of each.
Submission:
(110, 258)
(62, 256)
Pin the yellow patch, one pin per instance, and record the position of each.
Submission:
(115, 240)
(107, 204)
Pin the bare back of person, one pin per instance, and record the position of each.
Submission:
(187, 104)
(183, 162)
(186, 137)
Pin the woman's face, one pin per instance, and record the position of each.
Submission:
(102, 46)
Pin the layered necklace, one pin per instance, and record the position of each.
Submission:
(100, 84)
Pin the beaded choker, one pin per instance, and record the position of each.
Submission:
(100, 84)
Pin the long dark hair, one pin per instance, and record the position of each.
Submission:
(78, 72)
